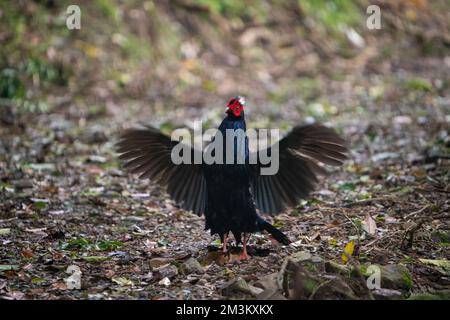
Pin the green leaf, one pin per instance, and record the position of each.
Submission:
(37, 280)
(10, 85)
(418, 84)
(347, 186)
(109, 245)
(77, 243)
(442, 264)
(278, 224)
(95, 258)
(122, 281)
(40, 205)
(163, 242)
(5, 231)
(8, 267)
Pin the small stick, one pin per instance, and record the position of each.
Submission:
(417, 212)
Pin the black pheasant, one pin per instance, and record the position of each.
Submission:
(229, 195)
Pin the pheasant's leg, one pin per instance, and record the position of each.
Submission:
(244, 255)
(225, 242)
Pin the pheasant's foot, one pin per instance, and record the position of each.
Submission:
(225, 243)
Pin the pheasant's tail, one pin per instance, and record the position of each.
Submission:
(277, 234)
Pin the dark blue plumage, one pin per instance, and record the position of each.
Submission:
(229, 204)
(229, 194)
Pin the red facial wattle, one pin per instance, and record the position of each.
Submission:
(235, 107)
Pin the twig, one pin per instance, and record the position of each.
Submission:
(358, 240)
(417, 212)
(317, 289)
(431, 191)
(408, 237)
(8, 220)
(365, 201)
(366, 248)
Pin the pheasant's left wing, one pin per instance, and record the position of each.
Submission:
(299, 154)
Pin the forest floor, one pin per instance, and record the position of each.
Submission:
(65, 201)
(79, 208)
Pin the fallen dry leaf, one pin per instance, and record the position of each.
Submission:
(59, 286)
(27, 253)
(369, 225)
(348, 251)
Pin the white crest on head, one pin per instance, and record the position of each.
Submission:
(241, 100)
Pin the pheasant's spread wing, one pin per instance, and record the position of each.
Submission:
(299, 153)
(148, 153)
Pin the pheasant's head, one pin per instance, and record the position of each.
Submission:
(236, 106)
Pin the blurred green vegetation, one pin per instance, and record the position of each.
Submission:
(10, 85)
(331, 15)
(239, 9)
(145, 49)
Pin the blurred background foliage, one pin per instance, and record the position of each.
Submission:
(195, 53)
(66, 94)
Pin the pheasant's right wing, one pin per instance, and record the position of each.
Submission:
(148, 152)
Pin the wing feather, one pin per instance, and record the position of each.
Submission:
(147, 152)
(299, 154)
